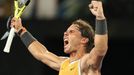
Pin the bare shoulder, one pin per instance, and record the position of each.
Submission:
(63, 58)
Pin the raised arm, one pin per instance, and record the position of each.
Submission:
(39, 51)
(101, 33)
(94, 58)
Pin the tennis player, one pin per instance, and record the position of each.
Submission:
(85, 47)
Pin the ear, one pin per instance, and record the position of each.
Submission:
(84, 40)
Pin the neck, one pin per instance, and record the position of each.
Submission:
(77, 54)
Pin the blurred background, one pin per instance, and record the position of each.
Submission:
(48, 19)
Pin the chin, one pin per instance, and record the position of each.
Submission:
(67, 51)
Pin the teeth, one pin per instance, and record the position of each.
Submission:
(65, 39)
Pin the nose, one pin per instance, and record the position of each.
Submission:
(65, 34)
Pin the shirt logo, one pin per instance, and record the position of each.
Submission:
(72, 68)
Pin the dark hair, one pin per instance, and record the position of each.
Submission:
(86, 31)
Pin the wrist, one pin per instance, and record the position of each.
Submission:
(27, 38)
(21, 31)
(101, 27)
(102, 17)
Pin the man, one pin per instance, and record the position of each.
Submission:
(86, 50)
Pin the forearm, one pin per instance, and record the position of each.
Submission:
(39, 51)
(101, 42)
(101, 36)
(35, 48)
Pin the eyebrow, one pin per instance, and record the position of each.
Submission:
(74, 29)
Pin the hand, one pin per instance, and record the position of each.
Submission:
(16, 23)
(97, 9)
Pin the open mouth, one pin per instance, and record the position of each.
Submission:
(66, 42)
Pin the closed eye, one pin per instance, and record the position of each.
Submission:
(71, 31)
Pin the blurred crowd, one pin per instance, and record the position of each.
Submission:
(66, 9)
(47, 9)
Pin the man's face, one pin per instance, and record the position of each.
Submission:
(72, 39)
